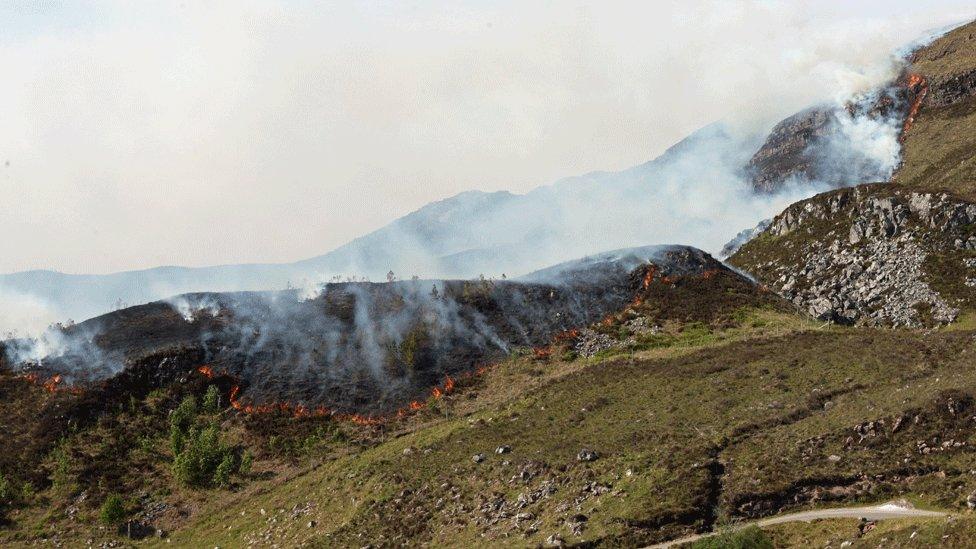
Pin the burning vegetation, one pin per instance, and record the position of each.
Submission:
(918, 89)
(360, 352)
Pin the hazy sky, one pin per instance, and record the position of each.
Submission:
(136, 134)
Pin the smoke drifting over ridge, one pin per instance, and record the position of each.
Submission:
(362, 348)
(695, 195)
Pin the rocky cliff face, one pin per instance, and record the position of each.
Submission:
(873, 255)
(784, 155)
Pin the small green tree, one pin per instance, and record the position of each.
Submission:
(211, 400)
(27, 492)
(202, 453)
(177, 440)
(5, 489)
(184, 414)
(247, 462)
(61, 476)
(180, 421)
(113, 510)
(222, 474)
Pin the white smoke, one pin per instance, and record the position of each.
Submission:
(319, 122)
(189, 306)
(24, 314)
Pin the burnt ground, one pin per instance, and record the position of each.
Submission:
(254, 344)
(369, 348)
(734, 410)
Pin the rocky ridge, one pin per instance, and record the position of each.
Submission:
(870, 255)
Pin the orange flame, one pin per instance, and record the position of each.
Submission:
(645, 284)
(920, 87)
(648, 278)
(567, 335)
(542, 352)
(51, 385)
(207, 371)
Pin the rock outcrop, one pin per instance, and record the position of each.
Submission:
(873, 255)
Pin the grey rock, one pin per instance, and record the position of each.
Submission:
(586, 455)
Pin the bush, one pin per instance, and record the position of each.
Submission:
(180, 421)
(27, 492)
(221, 476)
(113, 510)
(247, 461)
(211, 400)
(184, 414)
(202, 454)
(747, 538)
(62, 466)
(177, 440)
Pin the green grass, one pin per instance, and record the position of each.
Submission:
(661, 420)
(747, 538)
(937, 152)
(665, 420)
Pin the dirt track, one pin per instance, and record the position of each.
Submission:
(876, 512)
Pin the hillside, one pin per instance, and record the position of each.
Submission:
(622, 399)
(938, 146)
(884, 254)
(481, 466)
(476, 233)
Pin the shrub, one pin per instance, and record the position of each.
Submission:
(211, 401)
(184, 414)
(180, 421)
(5, 491)
(113, 510)
(202, 453)
(177, 439)
(27, 491)
(61, 476)
(221, 476)
(247, 461)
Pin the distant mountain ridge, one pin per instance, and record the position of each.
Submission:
(462, 236)
(697, 192)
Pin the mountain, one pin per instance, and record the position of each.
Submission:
(693, 193)
(901, 254)
(462, 236)
(631, 397)
(937, 149)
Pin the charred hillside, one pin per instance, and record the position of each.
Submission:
(816, 145)
(363, 348)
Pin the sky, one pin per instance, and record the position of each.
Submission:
(135, 135)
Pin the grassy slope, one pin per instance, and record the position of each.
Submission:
(663, 415)
(750, 396)
(938, 148)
